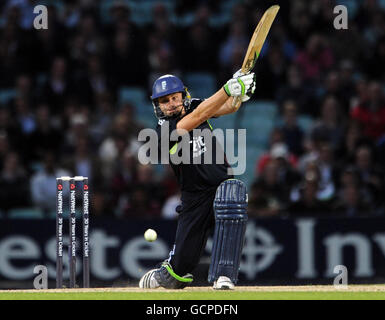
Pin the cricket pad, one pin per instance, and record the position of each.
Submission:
(230, 206)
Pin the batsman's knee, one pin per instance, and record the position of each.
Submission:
(231, 198)
(167, 278)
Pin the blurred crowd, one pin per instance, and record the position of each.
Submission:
(65, 118)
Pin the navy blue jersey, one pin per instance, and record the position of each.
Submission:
(197, 177)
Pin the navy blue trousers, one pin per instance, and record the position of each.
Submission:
(196, 223)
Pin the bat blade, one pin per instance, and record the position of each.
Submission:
(256, 44)
(258, 38)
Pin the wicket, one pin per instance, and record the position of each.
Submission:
(72, 231)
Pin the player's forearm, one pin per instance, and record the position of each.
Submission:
(227, 108)
(204, 111)
(210, 106)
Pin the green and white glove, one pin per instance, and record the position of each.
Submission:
(239, 86)
(250, 92)
(238, 73)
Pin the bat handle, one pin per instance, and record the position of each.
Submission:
(236, 102)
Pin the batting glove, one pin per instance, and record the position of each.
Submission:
(238, 73)
(251, 90)
(236, 87)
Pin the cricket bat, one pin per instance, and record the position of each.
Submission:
(256, 44)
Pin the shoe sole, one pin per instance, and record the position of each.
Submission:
(224, 287)
(146, 280)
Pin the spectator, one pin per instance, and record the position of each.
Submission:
(201, 42)
(300, 23)
(88, 28)
(45, 138)
(142, 205)
(13, 179)
(4, 147)
(325, 181)
(161, 58)
(46, 44)
(352, 138)
(307, 203)
(328, 170)
(165, 28)
(25, 117)
(279, 34)
(72, 14)
(43, 184)
(82, 162)
(24, 89)
(349, 177)
(315, 59)
(101, 120)
(124, 179)
(371, 113)
(145, 199)
(99, 205)
(375, 63)
(93, 82)
(58, 85)
(278, 149)
(351, 38)
(375, 29)
(233, 46)
(366, 11)
(11, 56)
(369, 173)
(25, 12)
(347, 84)
(125, 57)
(78, 129)
(295, 90)
(120, 19)
(361, 93)
(77, 53)
(268, 197)
(323, 16)
(330, 125)
(351, 203)
(272, 69)
(122, 137)
(293, 134)
(333, 87)
(10, 128)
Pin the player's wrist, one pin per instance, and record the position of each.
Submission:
(226, 88)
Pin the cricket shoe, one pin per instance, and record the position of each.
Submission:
(148, 280)
(223, 283)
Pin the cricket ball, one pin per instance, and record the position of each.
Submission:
(150, 235)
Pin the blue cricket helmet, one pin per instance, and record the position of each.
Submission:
(164, 86)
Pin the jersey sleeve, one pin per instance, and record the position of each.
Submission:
(194, 104)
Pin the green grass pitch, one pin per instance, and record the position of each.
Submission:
(251, 293)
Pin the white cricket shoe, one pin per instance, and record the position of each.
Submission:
(148, 280)
(223, 283)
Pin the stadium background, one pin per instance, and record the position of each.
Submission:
(74, 97)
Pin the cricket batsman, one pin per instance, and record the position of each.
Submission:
(212, 201)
